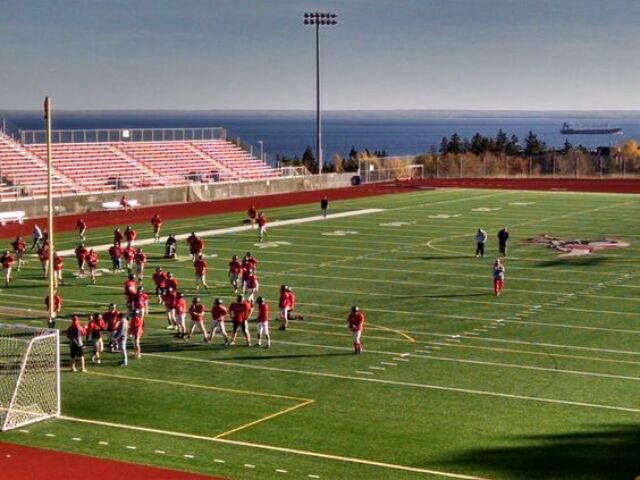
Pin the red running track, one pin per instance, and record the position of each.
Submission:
(184, 210)
(29, 463)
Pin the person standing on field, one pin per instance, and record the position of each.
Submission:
(218, 315)
(81, 228)
(481, 239)
(355, 323)
(324, 206)
(75, 334)
(19, 246)
(498, 277)
(263, 322)
(503, 236)
(156, 222)
(122, 331)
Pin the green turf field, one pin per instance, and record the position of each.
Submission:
(542, 382)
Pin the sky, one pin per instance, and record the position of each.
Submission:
(258, 54)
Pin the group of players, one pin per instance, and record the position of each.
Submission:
(118, 326)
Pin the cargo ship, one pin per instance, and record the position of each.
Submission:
(589, 130)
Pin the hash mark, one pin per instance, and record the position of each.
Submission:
(161, 452)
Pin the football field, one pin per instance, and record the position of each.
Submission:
(542, 382)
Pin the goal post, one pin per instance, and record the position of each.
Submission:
(386, 169)
(29, 375)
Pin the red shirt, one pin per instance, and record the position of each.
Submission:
(111, 319)
(92, 259)
(81, 253)
(200, 266)
(196, 245)
(292, 300)
(218, 312)
(169, 299)
(156, 221)
(285, 300)
(180, 305)
(249, 263)
(140, 258)
(115, 251)
(57, 302)
(262, 221)
(58, 263)
(235, 267)
(263, 312)
(19, 245)
(240, 311)
(252, 281)
(80, 225)
(130, 288)
(197, 312)
(356, 321)
(130, 234)
(159, 278)
(136, 326)
(128, 254)
(117, 236)
(172, 283)
(7, 261)
(94, 328)
(43, 254)
(141, 301)
(252, 212)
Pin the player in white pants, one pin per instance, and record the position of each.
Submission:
(263, 322)
(218, 315)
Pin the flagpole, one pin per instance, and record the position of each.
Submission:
(47, 118)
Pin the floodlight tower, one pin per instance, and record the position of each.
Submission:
(318, 19)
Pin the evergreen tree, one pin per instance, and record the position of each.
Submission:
(513, 146)
(309, 160)
(478, 144)
(533, 146)
(444, 145)
(501, 142)
(455, 144)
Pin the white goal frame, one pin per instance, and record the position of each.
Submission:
(29, 375)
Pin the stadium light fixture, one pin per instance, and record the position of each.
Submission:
(318, 19)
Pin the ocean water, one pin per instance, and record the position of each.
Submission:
(398, 133)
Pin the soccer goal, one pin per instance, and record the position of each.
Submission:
(385, 169)
(29, 375)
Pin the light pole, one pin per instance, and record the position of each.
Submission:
(319, 19)
(261, 151)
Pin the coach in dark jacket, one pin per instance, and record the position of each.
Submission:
(503, 236)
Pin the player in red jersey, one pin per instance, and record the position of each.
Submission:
(92, 263)
(180, 312)
(293, 314)
(252, 214)
(130, 236)
(197, 311)
(130, 289)
(19, 247)
(43, 256)
(81, 257)
(115, 252)
(498, 277)
(136, 330)
(110, 318)
(7, 261)
(263, 322)
(235, 269)
(240, 311)
(159, 279)
(252, 285)
(81, 228)
(355, 322)
(117, 236)
(140, 301)
(196, 247)
(262, 225)
(57, 306)
(249, 263)
(169, 297)
(58, 265)
(94, 331)
(201, 266)
(140, 258)
(172, 282)
(129, 254)
(156, 222)
(75, 334)
(218, 316)
(284, 304)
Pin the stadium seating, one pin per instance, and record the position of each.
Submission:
(107, 166)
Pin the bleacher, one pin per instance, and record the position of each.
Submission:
(83, 167)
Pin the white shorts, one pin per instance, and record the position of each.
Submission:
(200, 279)
(180, 319)
(250, 293)
(284, 313)
(356, 336)
(262, 230)
(218, 327)
(6, 272)
(263, 328)
(139, 268)
(57, 274)
(233, 278)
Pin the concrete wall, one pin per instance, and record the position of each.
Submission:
(35, 208)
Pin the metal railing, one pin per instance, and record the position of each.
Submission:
(30, 137)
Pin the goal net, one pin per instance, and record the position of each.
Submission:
(29, 375)
(385, 169)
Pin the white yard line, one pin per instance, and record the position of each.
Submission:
(243, 228)
(272, 448)
(403, 384)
